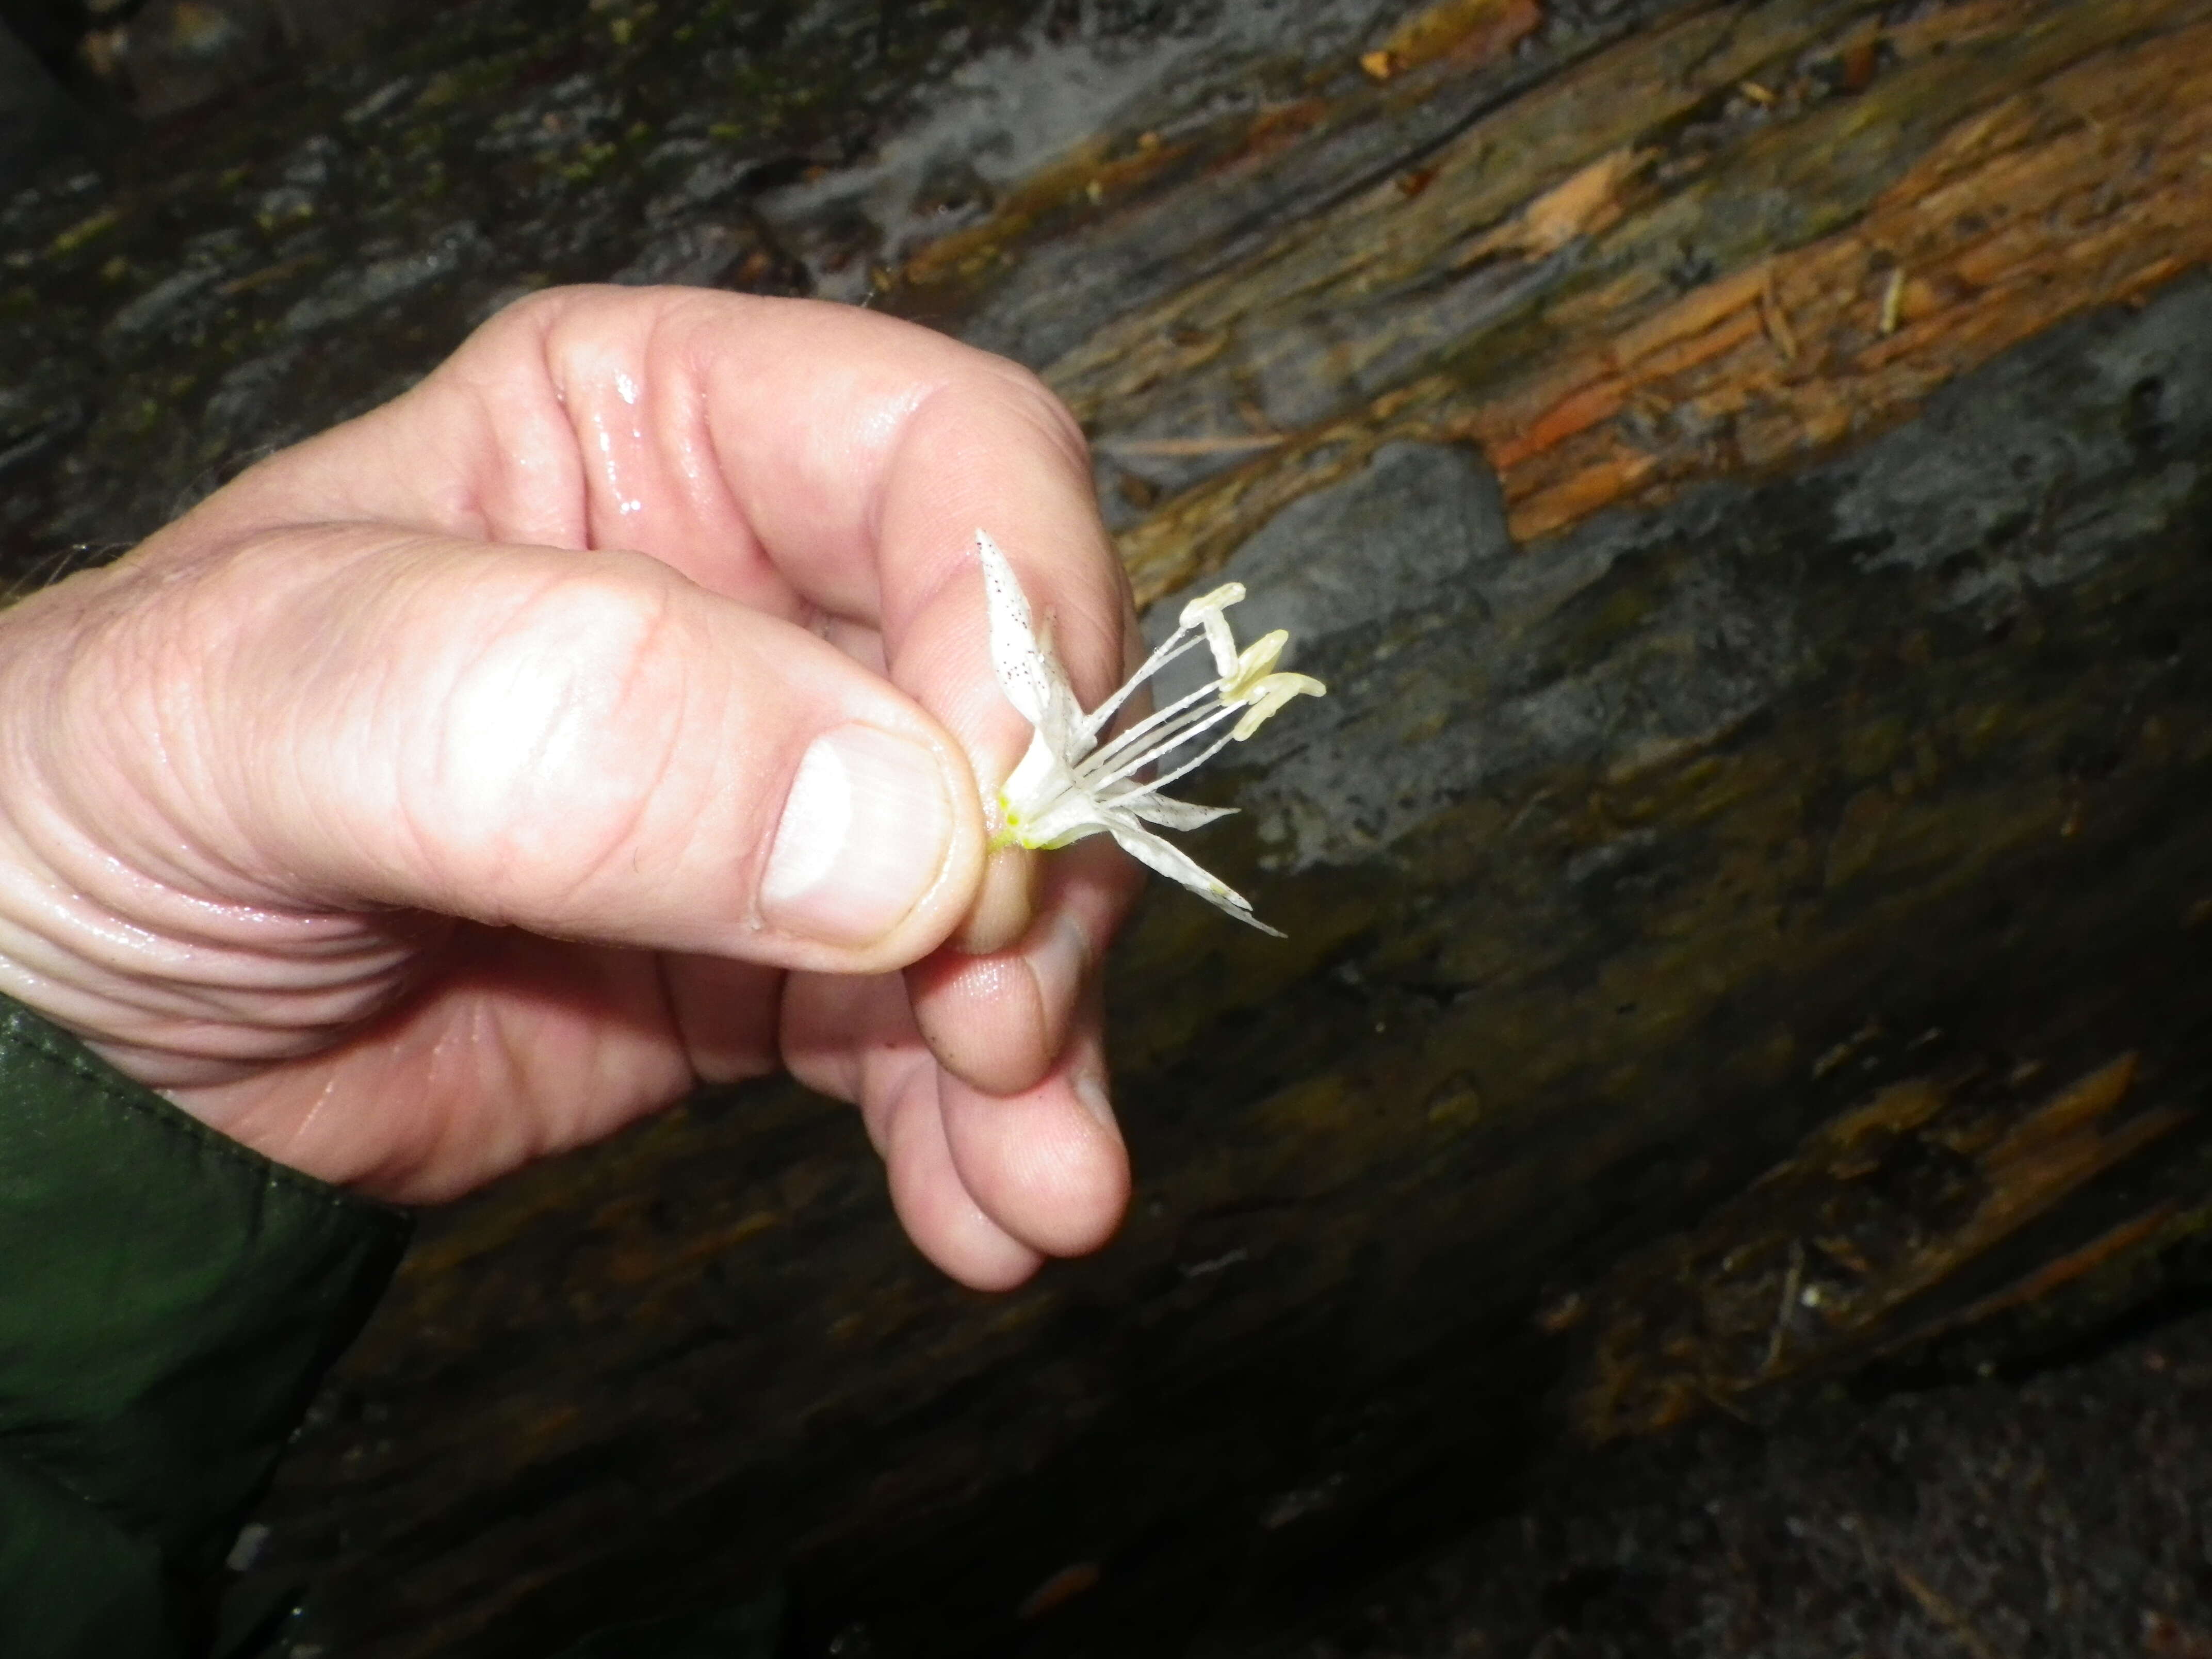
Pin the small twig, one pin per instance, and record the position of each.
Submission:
(1522, 817)
(1720, 1402)
(1939, 1607)
(1792, 1282)
(1932, 1602)
(1776, 320)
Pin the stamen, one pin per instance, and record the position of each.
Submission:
(1270, 694)
(1223, 642)
(1255, 663)
(1189, 729)
(1181, 718)
(1157, 784)
(1179, 643)
(1213, 602)
(1150, 723)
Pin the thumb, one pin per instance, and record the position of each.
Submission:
(589, 746)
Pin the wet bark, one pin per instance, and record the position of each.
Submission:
(39, 124)
(1740, 469)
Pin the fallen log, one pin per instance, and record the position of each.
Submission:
(1740, 469)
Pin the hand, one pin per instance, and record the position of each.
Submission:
(604, 714)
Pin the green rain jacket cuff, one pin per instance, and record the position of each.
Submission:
(169, 1301)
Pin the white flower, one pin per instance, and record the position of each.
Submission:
(1069, 785)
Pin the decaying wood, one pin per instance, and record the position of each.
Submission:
(2091, 189)
(1831, 1257)
(2051, 161)
(1746, 892)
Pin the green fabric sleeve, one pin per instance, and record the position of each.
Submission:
(169, 1301)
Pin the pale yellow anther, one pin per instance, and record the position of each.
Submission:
(1270, 694)
(1254, 664)
(1210, 605)
(1205, 613)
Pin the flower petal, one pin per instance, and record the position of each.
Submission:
(1173, 814)
(1063, 725)
(1023, 669)
(1067, 787)
(1148, 849)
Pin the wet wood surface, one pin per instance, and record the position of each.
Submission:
(1740, 468)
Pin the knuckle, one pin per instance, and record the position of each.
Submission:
(1037, 406)
(553, 734)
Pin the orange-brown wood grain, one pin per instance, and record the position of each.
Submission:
(2078, 178)
(2089, 189)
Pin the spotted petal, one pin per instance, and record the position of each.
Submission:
(1148, 849)
(1021, 666)
(1172, 814)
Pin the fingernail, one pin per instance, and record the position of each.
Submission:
(863, 838)
(1090, 1090)
(1058, 962)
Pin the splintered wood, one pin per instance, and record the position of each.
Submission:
(2076, 172)
(2090, 189)
(1846, 1251)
